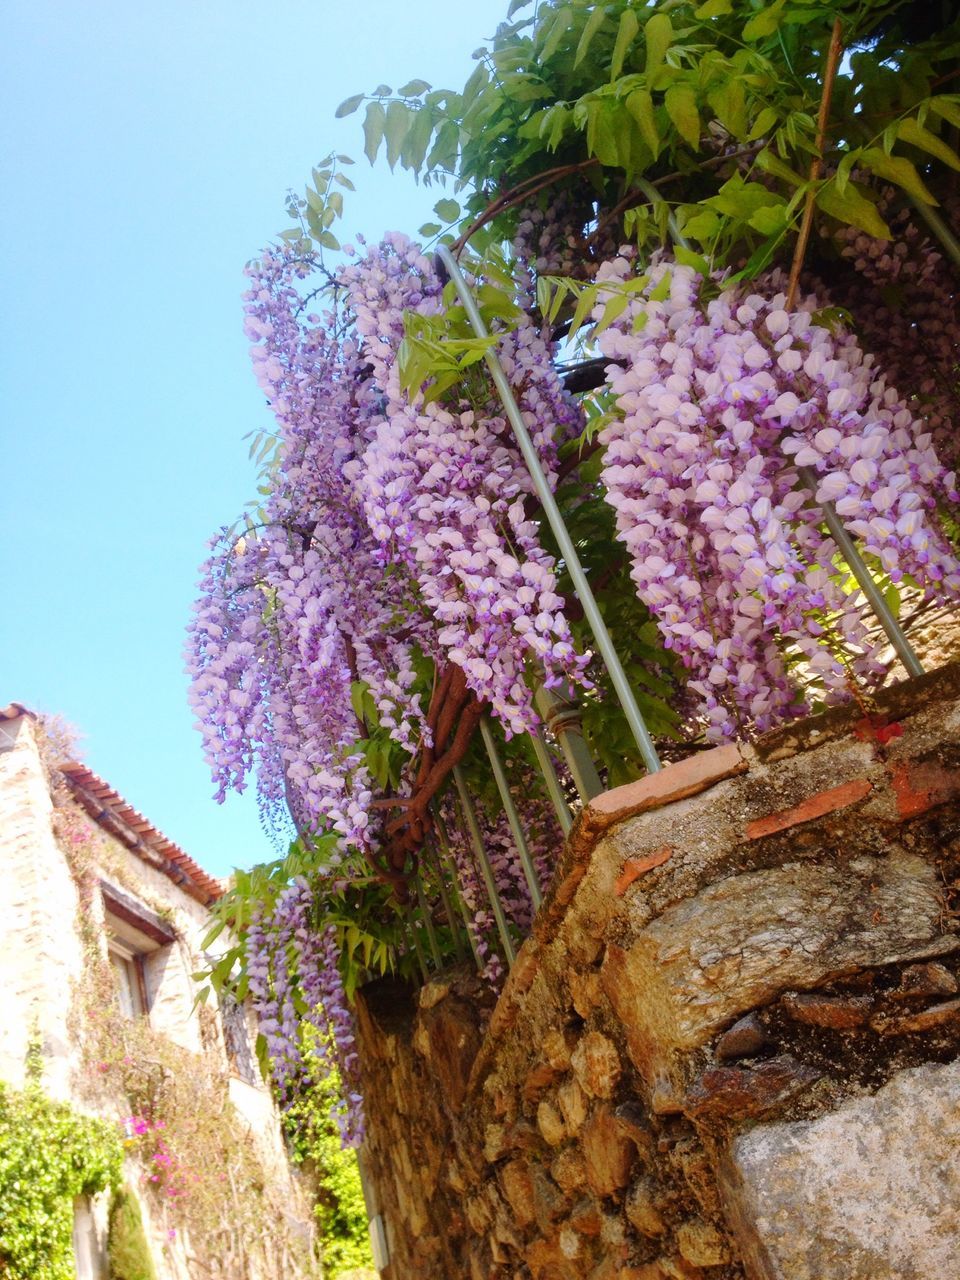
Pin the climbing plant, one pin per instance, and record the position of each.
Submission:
(49, 1155)
(701, 238)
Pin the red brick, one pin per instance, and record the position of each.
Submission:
(635, 867)
(919, 787)
(813, 807)
(675, 782)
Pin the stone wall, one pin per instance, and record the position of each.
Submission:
(55, 981)
(729, 1049)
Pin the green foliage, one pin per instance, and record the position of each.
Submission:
(48, 1156)
(340, 1210)
(211, 1183)
(128, 1248)
(606, 95)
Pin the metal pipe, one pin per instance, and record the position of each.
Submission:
(552, 512)
(445, 899)
(419, 950)
(447, 859)
(431, 932)
(473, 826)
(552, 782)
(864, 577)
(562, 717)
(510, 809)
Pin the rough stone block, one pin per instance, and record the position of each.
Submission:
(550, 1123)
(573, 1106)
(742, 941)
(643, 1208)
(608, 1153)
(868, 1192)
(596, 1065)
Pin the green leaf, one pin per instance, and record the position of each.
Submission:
(430, 229)
(947, 107)
(612, 311)
(640, 105)
(626, 34)
(852, 208)
(382, 91)
(344, 181)
(763, 23)
(413, 88)
(329, 241)
(769, 220)
(395, 130)
(357, 689)
(763, 124)
(558, 29)
(844, 169)
(702, 227)
(687, 258)
(771, 163)
(714, 9)
(447, 210)
(681, 104)
(730, 104)
(659, 33)
(349, 105)
(739, 199)
(592, 26)
(898, 170)
(910, 130)
(373, 123)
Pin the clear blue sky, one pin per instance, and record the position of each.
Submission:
(144, 155)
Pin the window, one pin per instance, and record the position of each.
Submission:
(128, 971)
(135, 935)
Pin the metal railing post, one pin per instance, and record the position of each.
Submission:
(438, 867)
(552, 512)
(418, 948)
(447, 860)
(562, 717)
(431, 932)
(858, 567)
(510, 809)
(476, 838)
(554, 789)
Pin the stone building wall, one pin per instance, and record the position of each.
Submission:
(59, 867)
(730, 1048)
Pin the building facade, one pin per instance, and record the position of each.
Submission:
(102, 922)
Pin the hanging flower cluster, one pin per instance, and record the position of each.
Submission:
(392, 528)
(444, 487)
(903, 300)
(723, 396)
(294, 978)
(544, 840)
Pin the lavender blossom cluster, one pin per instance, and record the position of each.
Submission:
(722, 395)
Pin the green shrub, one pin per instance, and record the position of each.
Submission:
(48, 1156)
(129, 1250)
(340, 1211)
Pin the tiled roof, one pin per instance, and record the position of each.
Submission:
(108, 808)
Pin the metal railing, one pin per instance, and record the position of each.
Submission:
(559, 711)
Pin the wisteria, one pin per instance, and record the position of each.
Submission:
(544, 841)
(399, 538)
(903, 300)
(444, 487)
(722, 399)
(290, 959)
